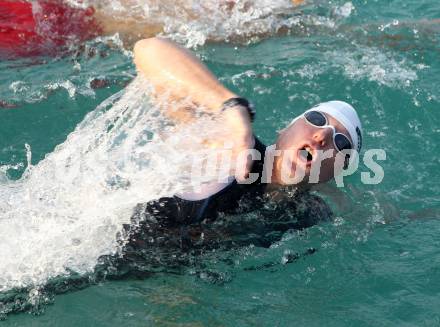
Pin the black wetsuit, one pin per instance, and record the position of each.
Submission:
(239, 214)
(170, 233)
(234, 197)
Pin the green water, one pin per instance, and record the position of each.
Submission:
(378, 264)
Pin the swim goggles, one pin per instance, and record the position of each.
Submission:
(318, 119)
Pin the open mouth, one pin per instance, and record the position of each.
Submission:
(306, 153)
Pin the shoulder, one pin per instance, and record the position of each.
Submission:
(314, 205)
(309, 209)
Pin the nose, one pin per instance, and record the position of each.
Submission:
(323, 136)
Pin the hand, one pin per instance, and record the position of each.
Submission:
(237, 138)
(238, 128)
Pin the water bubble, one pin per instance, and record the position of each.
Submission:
(65, 212)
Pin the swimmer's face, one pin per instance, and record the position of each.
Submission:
(302, 145)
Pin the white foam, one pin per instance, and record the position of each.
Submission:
(193, 22)
(345, 10)
(374, 65)
(65, 212)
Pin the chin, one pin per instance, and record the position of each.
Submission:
(326, 179)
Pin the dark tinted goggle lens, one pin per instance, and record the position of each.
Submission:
(315, 118)
(342, 142)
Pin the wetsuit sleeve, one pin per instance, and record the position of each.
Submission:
(270, 223)
(306, 210)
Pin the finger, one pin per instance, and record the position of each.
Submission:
(243, 163)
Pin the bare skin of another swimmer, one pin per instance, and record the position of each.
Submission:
(133, 28)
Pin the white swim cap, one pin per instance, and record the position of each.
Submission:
(346, 115)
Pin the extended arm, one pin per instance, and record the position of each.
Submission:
(172, 69)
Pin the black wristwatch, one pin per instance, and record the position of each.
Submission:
(242, 102)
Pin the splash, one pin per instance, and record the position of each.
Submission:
(65, 212)
(194, 22)
(375, 66)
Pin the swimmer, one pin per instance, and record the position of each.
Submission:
(188, 218)
(50, 27)
(42, 27)
(47, 27)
